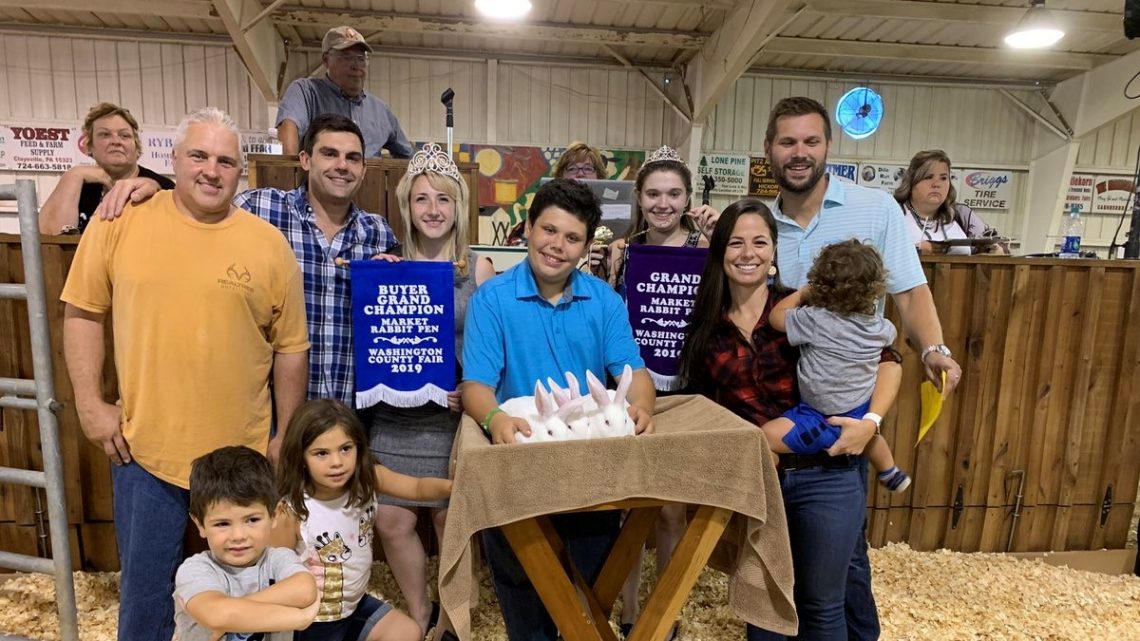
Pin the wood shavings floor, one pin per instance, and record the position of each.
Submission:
(927, 596)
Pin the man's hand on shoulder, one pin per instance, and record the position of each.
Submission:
(132, 190)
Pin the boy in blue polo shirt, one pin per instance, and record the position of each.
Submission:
(563, 320)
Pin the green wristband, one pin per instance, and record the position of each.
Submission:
(486, 424)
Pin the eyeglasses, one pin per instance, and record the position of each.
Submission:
(581, 170)
(353, 58)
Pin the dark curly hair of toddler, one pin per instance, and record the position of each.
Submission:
(847, 278)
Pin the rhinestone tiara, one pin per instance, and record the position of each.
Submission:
(434, 159)
(664, 153)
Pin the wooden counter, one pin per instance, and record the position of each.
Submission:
(377, 193)
(1050, 351)
(1051, 354)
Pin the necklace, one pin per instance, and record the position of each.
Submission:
(925, 224)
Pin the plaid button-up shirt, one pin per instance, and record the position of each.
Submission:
(757, 382)
(327, 292)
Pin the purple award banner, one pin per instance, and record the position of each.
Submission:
(661, 287)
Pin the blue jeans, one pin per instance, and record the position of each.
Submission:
(588, 539)
(150, 523)
(826, 510)
(862, 615)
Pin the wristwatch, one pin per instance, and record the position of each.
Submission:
(940, 348)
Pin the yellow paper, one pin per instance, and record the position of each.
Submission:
(931, 407)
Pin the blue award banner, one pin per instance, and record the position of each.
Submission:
(661, 287)
(403, 328)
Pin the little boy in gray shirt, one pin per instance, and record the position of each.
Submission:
(841, 340)
(241, 586)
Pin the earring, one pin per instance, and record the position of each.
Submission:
(771, 271)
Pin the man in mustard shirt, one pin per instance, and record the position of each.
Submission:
(207, 302)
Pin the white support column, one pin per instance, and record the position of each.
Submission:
(690, 150)
(1049, 176)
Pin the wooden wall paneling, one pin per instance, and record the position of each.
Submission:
(70, 433)
(150, 79)
(1084, 312)
(957, 323)
(240, 92)
(1012, 449)
(636, 114)
(1120, 442)
(105, 65)
(194, 80)
(41, 94)
(1047, 396)
(98, 550)
(426, 112)
(19, 76)
(66, 75)
(19, 424)
(742, 128)
(533, 103)
(130, 78)
(173, 70)
(9, 368)
(559, 131)
(998, 334)
(617, 104)
(217, 78)
(20, 539)
(596, 105)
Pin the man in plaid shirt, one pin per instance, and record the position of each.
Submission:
(325, 230)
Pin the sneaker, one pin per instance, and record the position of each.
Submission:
(895, 480)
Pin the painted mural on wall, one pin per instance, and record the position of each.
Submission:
(509, 177)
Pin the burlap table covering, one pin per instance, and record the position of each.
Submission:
(701, 453)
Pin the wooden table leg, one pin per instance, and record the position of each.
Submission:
(531, 540)
(680, 574)
(625, 554)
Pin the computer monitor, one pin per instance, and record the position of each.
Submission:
(616, 197)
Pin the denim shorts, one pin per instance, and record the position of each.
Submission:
(354, 627)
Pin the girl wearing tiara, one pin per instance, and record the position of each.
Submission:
(661, 216)
(433, 202)
(662, 198)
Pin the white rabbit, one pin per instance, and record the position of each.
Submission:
(575, 408)
(547, 420)
(611, 418)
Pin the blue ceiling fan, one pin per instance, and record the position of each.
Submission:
(859, 112)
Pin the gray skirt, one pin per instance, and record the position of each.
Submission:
(414, 441)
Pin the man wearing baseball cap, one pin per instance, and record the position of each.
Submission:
(341, 91)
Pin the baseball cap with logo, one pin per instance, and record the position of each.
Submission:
(341, 38)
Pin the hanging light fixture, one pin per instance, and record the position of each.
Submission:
(503, 9)
(1037, 29)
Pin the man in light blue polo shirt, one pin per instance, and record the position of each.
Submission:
(341, 91)
(541, 318)
(812, 211)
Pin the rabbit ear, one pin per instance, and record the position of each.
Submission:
(597, 390)
(572, 384)
(561, 395)
(569, 409)
(623, 384)
(543, 401)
